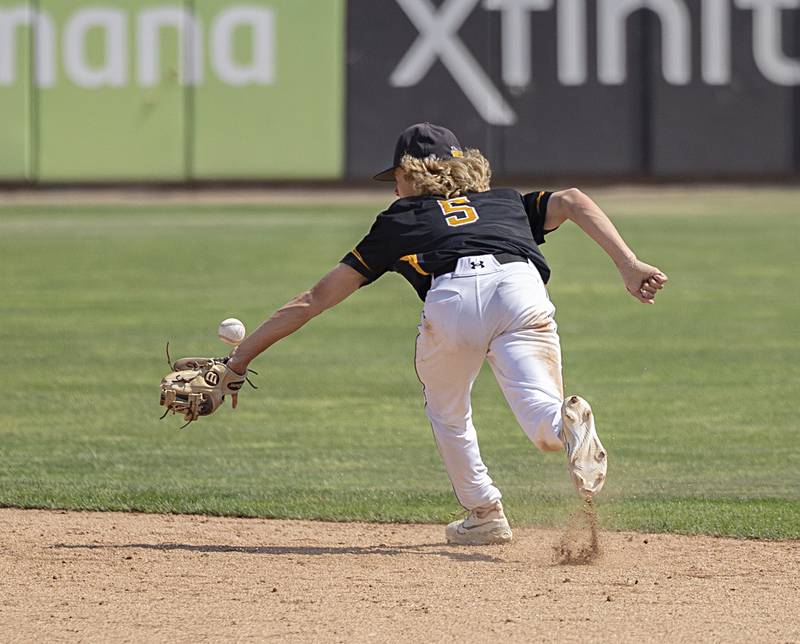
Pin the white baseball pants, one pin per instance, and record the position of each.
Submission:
(482, 310)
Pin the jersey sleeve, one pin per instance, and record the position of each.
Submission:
(376, 253)
(536, 206)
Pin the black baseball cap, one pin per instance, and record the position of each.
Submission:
(420, 141)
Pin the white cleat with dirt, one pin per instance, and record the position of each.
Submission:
(484, 525)
(587, 460)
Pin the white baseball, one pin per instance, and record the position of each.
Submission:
(231, 331)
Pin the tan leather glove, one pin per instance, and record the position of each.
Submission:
(198, 386)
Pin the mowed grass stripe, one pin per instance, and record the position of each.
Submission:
(693, 395)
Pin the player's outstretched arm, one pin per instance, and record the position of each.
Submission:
(337, 285)
(642, 280)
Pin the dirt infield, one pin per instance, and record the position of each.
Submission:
(67, 576)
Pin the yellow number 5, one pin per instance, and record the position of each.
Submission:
(457, 211)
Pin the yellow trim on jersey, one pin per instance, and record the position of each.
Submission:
(360, 259)
(412, 259)
(538, 199)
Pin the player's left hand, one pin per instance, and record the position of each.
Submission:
(198, 386)
(235, 365)
(643, 281)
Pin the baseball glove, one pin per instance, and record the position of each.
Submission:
(198, 386)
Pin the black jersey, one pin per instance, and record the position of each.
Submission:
(423, 236)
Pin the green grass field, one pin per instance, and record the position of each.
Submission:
(696, 397)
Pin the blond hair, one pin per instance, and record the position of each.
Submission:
(469, 172)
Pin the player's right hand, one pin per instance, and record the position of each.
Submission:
(643, 281)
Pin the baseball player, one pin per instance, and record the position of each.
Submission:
(472, 254)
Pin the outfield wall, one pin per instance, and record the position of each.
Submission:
(167, 91)
(109, 90)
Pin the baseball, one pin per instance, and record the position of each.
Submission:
(231, 331)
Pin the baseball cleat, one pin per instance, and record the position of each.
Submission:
(587, 460)
(483, 526)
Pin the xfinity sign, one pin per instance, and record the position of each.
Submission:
(438, 40)
(114, 69)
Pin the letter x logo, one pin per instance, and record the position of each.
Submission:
(438, 38)
(476, 264)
